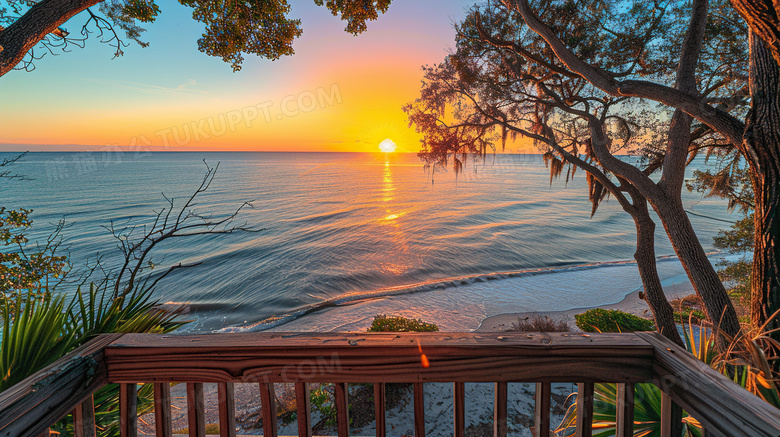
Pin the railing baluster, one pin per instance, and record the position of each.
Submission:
(542, 411)
(624, 420)
(671, 417)
(128, 410)
(196, 414)
(584, 409)
(342, 408)
(84, 419)
(268, 404)
(227, 409)
(419, 410)
(459, 401)
(379, 409)
(303, 405)
(162, 410)
(499, 409)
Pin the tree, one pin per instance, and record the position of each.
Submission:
(232, 29)
(453, 85)
(524, 84)
(756, 136)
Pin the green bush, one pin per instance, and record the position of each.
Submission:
(601, 320)
(385, 323)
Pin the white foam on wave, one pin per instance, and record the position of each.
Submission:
(460, 304)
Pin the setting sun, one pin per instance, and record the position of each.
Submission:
(387, 146)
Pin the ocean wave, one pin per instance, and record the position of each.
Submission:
(422, 287)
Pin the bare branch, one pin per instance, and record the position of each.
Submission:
(169, 223)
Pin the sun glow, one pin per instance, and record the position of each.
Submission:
(387, 146)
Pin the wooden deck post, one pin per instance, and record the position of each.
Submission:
(499, 409)
(162, 410)
(196, 414)
(624, 420)
(84, 419)
(459, 404)
(419, 410)
(584, 409)
(227, 409)
(128, 410)
(542, 411)
(268, 404)
(671, 417)
(342, 408)
(380, 406)
(303, 407)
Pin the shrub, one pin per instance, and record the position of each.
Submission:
(385, 323)
(601, 320)
(539, 324)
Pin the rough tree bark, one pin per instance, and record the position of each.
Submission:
(663, 313)
(763, 18)
(40, 20)
(762, 138)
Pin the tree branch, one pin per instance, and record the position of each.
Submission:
(32, 27)
(694, 105)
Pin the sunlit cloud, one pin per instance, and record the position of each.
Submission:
(184, 88)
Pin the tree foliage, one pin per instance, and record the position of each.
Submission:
(232, 28)
(31, 268)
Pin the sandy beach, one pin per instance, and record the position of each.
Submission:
(630, 304)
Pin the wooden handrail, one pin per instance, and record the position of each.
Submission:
(380, 357)
(28, 408)
(724, 408)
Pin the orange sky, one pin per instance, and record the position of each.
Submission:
(337, 93)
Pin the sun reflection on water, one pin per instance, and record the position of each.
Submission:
(390, 221)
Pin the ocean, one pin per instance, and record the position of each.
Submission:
(367, 233)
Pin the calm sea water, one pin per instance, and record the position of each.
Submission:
(338, 227)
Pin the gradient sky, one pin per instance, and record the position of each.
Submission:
(337, 93)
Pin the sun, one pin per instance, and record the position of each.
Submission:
(387, 146)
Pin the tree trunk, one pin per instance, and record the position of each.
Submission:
(763, 18)
(762, 137)
(645, 261)
(705, 280)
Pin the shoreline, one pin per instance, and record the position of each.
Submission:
(492, 305)
(631, 303)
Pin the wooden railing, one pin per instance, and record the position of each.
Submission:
(722, 407)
